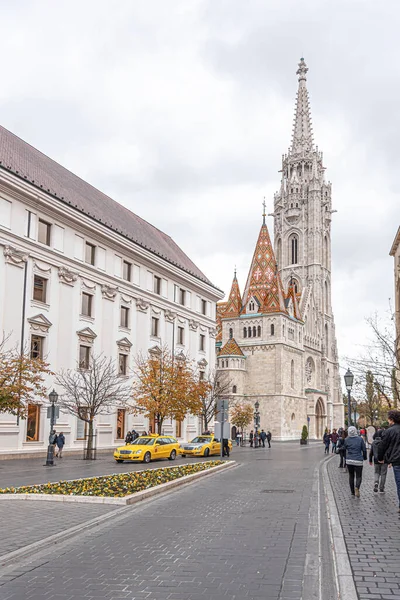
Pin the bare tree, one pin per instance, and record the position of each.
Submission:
(381, 357)
(220, 386)
(93, 391)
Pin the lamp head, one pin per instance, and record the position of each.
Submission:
(257, 405)
(349, 379)
(53, 397)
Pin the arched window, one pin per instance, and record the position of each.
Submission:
(244, 331)
(230, 333)
(254, 331)
(292, 374)
(259, 331)
(326, 338)
(234, 389)
(326, 255)
(294, 249)
(249, 331)
(252, 306)
(326, 297)
(279, 252)
(272, 329)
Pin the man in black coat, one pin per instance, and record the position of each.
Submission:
(389, 448)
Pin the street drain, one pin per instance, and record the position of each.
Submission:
(277, 491)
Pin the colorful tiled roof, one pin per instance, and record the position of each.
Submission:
(218, 323)
(234, 303)
(231, 349)
(264, 282)
(44, 173)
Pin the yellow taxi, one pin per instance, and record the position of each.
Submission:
(202, 445)
(148, 448)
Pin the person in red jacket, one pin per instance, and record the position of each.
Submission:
(334, 440)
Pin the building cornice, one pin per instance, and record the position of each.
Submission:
(395, 244)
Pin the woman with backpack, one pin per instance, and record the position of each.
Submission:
(356, 453)
(380, 469)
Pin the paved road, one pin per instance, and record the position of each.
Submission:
(371, 527)
(242, 535)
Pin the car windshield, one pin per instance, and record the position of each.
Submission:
(201, 440)
(144, 441)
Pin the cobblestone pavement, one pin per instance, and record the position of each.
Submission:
(371, 528)
(242, 535)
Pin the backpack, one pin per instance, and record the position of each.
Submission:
(375, 446)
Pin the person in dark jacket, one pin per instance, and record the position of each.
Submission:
(356, 453)
(251, 438)
(342, 449)
(327, 441)
(129, 438)
(263, 437)
(334, 440)
(380, 470)
(389, 448)
(269, 437)
(225, 447)
(60, 443)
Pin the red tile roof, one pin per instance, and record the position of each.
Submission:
(231, 349)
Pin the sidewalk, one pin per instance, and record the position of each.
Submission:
(371, 528)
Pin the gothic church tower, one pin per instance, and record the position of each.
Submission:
(302, 227)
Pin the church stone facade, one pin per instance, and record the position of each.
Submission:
(277, 342)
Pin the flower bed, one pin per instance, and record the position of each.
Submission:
(117, 485)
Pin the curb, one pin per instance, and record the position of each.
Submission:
(343, 571)
(127, 500)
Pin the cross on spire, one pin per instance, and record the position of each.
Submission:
(264, 207)
(302, 139)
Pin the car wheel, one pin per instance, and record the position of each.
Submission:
(172, 456)
(147, 457)
(207, 452)
(119, 461)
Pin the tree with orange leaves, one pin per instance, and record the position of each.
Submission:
(241, 415)
(21, 380)
(166, 387)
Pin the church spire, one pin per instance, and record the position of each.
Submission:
(302, 138)
(234, 303)
(263, 282)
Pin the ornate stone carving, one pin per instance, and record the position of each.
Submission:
(142, 305)
(67, 276)
(109, 291)
(309, 370)
(193, 325)
(86, 335)
(212, 332)
(169, 315)
(90, 285)
(126, 299)
(15, 257)
(202, 363)
(155, 351)
(39, 323)
(41, 266)
(124, 344)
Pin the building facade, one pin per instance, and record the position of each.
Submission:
(80, 274)
(277, 341)
(395, 252)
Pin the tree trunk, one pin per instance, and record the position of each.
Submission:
(160, 421)
(89, 445)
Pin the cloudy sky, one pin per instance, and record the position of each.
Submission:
(181, 110)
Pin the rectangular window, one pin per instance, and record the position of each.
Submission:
(203, 307)
(39, 288)
(87, 300)
(202, 344)
(44, 232)
(84, 357)
(181, 335)
(126, 270)
(121, 423)
(90, 253)
(37, 346)
(122, 364)
(81, 429)
(201, 376)
(124, 322)
(154, 326)
(157, 285)
(178, 428)
(32, 423)
(182, 296)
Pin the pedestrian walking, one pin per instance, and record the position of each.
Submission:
(380, 470)
(327, 441)
(129, 438)
(389, 448)
(225, 447)
(251, 438)
(341, 450)
(334, 440)
(60, 443)
(239, 438)
(356, 453)
(269, 437)
(263, 437)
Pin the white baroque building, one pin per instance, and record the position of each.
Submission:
(79, 273)
(277, 341)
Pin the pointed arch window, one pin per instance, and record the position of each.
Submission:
(272, 329)
(292, 374)
(294, 249)
(249, 331)
(279, 252)
(259, 331)
(254, 331)
(234, 389)
(245, 332)
(230, 333)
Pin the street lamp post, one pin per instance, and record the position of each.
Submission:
(53, 397)
(256, 423)
(355, 412)
(348, 379)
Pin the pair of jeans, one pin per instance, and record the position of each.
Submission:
(380, 472)
(327, 448)
(355, 471)
(342, 454)
(333, 447)
(396, 473)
